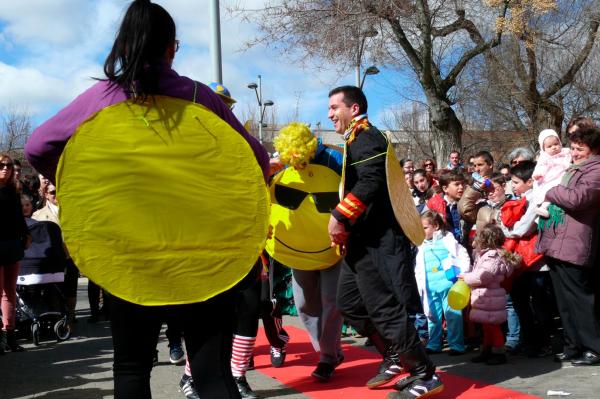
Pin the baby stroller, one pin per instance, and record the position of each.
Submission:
(41, 306)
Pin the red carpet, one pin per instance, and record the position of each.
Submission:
(351, 376)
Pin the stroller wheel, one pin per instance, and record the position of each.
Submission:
(35, 333)
(62, 330)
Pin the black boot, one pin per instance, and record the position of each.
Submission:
(2, 342)
(418, 364)
(11, 342)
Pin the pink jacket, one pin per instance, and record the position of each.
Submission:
(488, 298)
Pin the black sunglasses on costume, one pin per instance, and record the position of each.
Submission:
(291, 198)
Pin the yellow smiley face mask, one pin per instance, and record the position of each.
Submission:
(301, 204)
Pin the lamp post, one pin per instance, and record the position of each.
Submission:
(372, 70)
(215, 48)
(262, 106)
(361, 45)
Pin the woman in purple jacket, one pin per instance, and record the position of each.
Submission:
(139, 67)
(569, 239)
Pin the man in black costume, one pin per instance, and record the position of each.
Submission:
(377, 288)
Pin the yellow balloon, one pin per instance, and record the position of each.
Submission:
(459, 294)
(301, 204)
(162, 202)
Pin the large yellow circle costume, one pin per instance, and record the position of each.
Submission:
(162, 203)
(301, 203)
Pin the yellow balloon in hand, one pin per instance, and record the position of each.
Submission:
(458, 297)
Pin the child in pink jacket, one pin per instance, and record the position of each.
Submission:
(488, 299)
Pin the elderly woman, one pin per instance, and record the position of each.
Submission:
(569, 240)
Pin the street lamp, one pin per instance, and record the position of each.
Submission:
(261, 105)
(361, 45)
(372, 70)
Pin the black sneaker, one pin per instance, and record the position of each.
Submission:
(245, 391)
(251, 363)
(419, 388)
(277, 356)
(186, 385)
(155, 358)
(389, 369)
(323, 372)
(176, 355)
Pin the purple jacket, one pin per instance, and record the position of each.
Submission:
(46, 144)
(576, 240)
(488, 298)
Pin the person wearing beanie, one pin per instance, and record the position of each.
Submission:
(551, 166)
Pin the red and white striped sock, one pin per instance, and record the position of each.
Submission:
(241, 354)
(188, 370)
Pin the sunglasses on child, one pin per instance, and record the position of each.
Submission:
(291, 198)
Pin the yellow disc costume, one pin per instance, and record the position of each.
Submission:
(162, 203)
(301, 202)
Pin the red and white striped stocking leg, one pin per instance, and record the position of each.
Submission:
(241, 354)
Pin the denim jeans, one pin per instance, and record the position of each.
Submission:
(514, 327)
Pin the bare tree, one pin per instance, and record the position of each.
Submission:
(434, 40)
(15, 129)
(545, 70)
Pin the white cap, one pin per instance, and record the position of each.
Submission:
(544, 134)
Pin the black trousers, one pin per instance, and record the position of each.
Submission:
(207, 328)
(254, 302)
(377, 289)
(533, 300)
(577, 301)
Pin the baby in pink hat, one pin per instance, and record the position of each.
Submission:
(550, 168)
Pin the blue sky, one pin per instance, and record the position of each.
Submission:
(49, 50)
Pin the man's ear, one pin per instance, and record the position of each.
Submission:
(355, 109)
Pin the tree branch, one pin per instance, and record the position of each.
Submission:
(481, 47)
(579, 60)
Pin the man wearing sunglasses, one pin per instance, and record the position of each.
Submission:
(377, 288)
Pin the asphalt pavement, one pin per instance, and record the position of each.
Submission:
(81, 368)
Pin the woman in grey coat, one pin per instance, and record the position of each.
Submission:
(569, 239)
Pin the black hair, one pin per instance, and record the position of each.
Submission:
(422, 172)
(436, 219)
(142, 42)
(403, 161)
(588, 135)
(498, 178)
(352, 95)
(448, 177)
(487, 157)
(523, 170)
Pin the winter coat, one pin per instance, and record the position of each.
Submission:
(457, 256)
(488, 298)
(576, 239)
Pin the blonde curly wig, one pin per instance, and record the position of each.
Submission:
(296, 145)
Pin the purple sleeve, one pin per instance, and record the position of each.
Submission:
(46, 144)
(44, 147)
(581, 196)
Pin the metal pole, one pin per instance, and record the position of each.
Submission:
(215, 50)
(260, 109)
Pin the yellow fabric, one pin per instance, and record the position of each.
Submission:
(401, 198)
(162, 203)
(300, 237)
